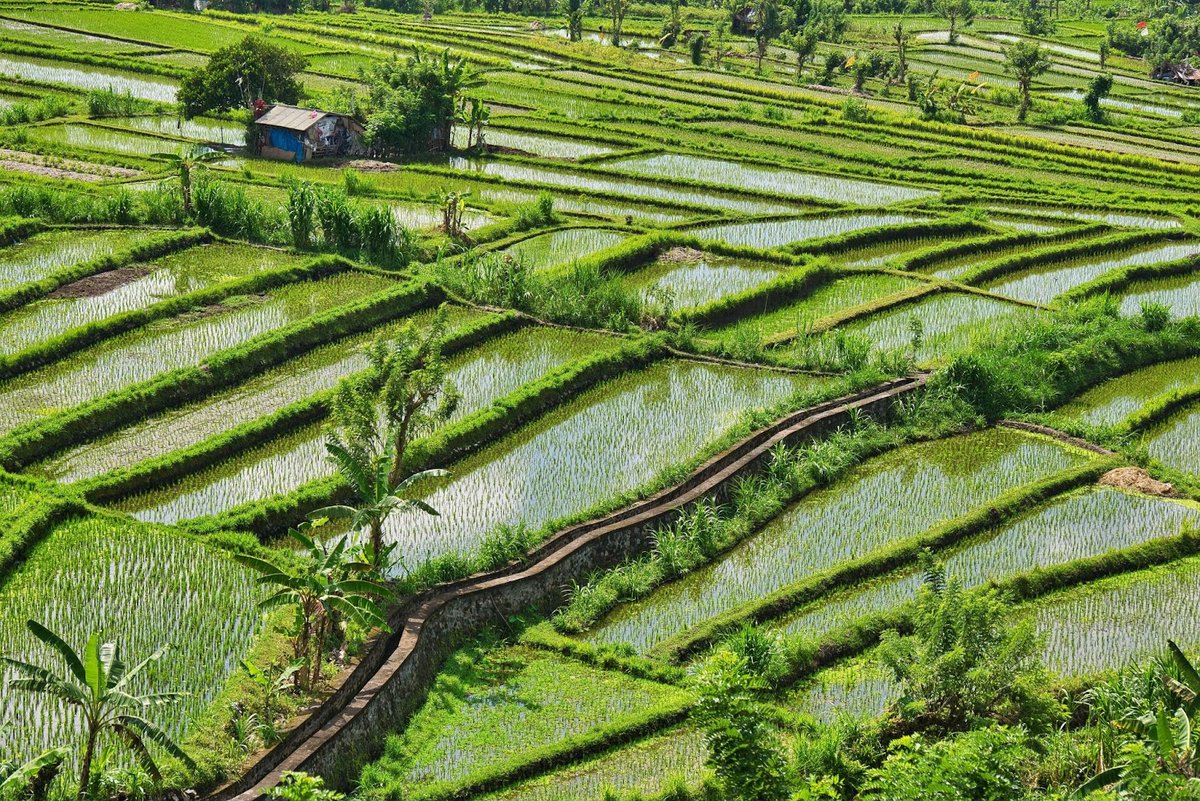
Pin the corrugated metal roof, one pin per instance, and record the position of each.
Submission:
(291, 118)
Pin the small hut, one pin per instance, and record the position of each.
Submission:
(744, 21)
(289, 133)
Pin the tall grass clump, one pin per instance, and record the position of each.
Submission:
(47, 108)
(110, 103)
(227, 209)
(587, 295)
(1040, 361)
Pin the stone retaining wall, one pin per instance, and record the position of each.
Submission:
(391, 682)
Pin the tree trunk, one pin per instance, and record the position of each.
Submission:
(85, 770)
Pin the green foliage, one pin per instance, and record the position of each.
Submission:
(302, 787)
(46, 108)
(965, 664)
(1025, 62)
(988, 764)
(237, 75)
(101, 688)
(412, 105)
(1098, 89)
(742, 751)
(107, 103)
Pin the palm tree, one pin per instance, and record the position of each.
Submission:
(378, 497)
(1026, 61)
(186, 161)
(326, 586)
(99, 685)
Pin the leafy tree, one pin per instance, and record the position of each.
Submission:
(900, 37)
(804, 42)
(617, 9)
(1035, 17)
(1025, 61)
(99, 686)
(413, 104)
(1172, 40)
(741, 749)
(767, 27)
(673, 26)
(964, 664)
(1098, 89)
(186, 161)
(237, 75)
(327, 586)
(575, 10)
(959, 13)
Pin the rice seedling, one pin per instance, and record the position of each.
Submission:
(422, 216)
(1114, 400)
(1044, 284)
(563, 247)
(147, 87)
(644, 767)
(296, 379)
(1176, 443)
(585, 206)
(499, 705)
(42, 35)
(538, 144)
(94, 574)
(166, 344)
(1112, 218)
(843, 293)
(861, 688)
(949, 322)
(699, 282)
(1180, 294)
(204, 130)
(482, 375)
(1114, 622)
(44, 254)
(94, 137)
(776, 233)
(771, 181)
(168, 276)
(887, 499)
(620, 187)
(1071, 527)
(182, 31)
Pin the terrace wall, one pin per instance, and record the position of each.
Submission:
(391, 682)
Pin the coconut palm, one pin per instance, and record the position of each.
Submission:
(186, 161)
(326, 586)
(99, 685)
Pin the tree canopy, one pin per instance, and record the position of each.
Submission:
(241, 73)
(412, 103)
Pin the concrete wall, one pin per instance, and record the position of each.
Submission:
(390, 684)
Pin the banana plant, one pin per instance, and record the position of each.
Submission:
(1170, 735)
(31, 779)
(99, 686)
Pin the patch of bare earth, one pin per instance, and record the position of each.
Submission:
(681, 256)
(99, 283)
(1138, 480)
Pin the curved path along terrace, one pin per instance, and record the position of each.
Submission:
(391, 681)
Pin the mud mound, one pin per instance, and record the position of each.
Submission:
(1138, 480)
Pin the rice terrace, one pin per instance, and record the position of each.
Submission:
(599, 400)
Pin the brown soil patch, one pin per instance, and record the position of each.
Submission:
(508, 151)
(369, 165)
(214, 309)
(681, 256)
(99, 283)
(1138, 480)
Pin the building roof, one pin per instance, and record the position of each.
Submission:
(291, 118)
